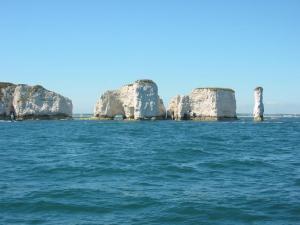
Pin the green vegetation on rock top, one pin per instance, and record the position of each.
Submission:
(145, 81)
(5, 84)
(216, 89)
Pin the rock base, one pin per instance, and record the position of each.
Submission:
(258, 118)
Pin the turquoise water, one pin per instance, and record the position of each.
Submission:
(160, 172)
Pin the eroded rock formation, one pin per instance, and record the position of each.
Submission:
(139, 100)
(258, 111)
(32, 102)
(204, 104)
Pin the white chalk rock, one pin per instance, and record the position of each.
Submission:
(33, 102)
(258, 111)
(139, 100)
(204, 104)
(162, 110)
(6, 98)
(179, 107)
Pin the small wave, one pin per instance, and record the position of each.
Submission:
(297, 182)
(46, 206)
(279, 122)
(242, 164)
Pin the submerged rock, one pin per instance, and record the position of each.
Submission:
(139, 100)
(204, 104)
(258, 111)
(32, 102)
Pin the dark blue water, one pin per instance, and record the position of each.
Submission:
(161, 172)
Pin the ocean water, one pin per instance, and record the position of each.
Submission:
(160, 172)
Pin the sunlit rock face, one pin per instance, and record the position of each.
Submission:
(258, 111)
(139, 100)
(32, 102)
(6, 98)
(204, 104)
(179, 108)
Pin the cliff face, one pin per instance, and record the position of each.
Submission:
(28, 102)
(6, 98)
(258, 111)
(204, 104)
(139, 100)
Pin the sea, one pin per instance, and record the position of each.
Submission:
(151, 172)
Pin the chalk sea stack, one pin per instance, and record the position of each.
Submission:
(204, 104)
(137, 101)
(32, 102)
(258, 111)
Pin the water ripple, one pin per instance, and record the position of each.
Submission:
(162, 172)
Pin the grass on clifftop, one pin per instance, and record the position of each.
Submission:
(5, 84)
(143, 81)
(215, 89)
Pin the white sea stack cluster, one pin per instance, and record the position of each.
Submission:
(32, 102)
(136, 101)
(139, 100)
(258, 111)
(204, 104)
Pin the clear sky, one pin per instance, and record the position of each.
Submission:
(82, 48)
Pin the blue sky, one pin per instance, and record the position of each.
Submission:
(82, 48)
